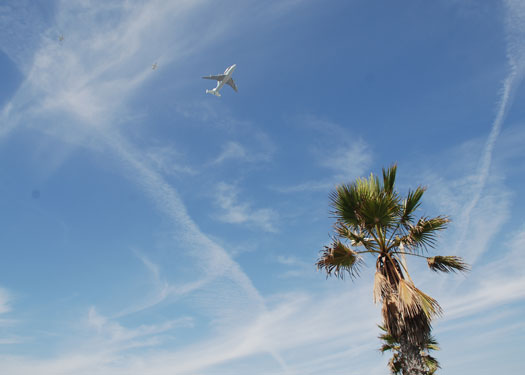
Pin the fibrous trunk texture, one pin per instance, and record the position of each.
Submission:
(411, 358)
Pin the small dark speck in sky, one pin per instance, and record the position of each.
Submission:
(35, 194)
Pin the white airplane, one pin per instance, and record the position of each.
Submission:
(225, 78)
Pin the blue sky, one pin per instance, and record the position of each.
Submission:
(149, 228)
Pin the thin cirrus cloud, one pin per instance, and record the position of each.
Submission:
(233, 211)
(515, 32)
(260, 150)
(275, 326)
(235, 151)
(81, 85)
(231, 150)
(168, 162)
(346, 162)
(345, 157)
(4, 301)
(346, 335)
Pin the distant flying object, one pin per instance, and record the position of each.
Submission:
(154, 66)
(61, 38)
(221, 79)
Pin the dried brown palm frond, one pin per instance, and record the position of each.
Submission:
(429, 305)
(395, 364)
(408, 298)
(391, 314)
(338, 260)
(416, 328)
(447, 264)
(382, 287)
(416, 310)
(411, 301)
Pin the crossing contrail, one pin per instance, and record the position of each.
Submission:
(515, 35)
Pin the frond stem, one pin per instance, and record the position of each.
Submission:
(375, 237)
(381, 237)
(405, 253)
(392, 236)
(368, 251)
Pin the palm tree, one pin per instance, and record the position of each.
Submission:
(372, 218)
(396, 364)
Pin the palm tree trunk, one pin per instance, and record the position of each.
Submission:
(411, 358)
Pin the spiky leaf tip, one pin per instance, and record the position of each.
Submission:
(389, 178)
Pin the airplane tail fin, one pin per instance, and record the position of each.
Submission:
(213, 92)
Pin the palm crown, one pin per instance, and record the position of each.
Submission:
(371, 217)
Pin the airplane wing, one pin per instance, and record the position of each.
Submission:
(232, 84)
(219, 77)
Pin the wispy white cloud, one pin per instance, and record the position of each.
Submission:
(348, 161)
(289, 260)
(110, 332)
(22, 25)
(4, 301)
(86, 82)
(89, 78)
(296, 267)
(335, 149)
(167, 161)
(515, 30)
(307, 186)
(283, 328)
(235, 212)
(258, 326)
(232, 150)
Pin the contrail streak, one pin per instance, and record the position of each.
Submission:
(515, 29)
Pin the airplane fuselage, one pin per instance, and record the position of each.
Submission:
(222, 79)
(228, 73)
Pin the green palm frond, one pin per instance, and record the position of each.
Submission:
(380, 210)
(431, 343)
(424, 234)
(356, 239)
(345, 201)
(372, 185)
(411, 203)
(431, 363)
(389, 179)
(447, 264)
(389, 342)
(367, 203)
(338, 260)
